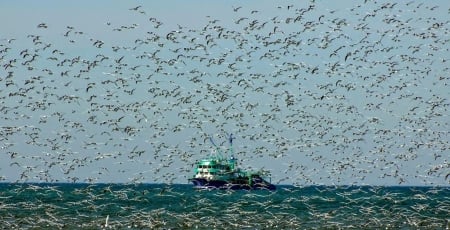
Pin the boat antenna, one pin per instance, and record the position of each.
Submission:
(217, 148)
(230, 140)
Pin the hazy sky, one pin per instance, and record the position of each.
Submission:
(314, 92)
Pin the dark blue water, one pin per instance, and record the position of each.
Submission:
(180, 206)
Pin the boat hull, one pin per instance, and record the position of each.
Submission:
(200, 183)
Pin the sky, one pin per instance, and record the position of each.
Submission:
(316, 93)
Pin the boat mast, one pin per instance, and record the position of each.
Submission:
(231, 159)
(230, 140)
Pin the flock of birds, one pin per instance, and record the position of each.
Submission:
(328, 96)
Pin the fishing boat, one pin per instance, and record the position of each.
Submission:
(219, 172)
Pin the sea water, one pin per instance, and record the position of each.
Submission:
(179, 206)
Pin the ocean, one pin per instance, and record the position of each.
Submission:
(179, 206)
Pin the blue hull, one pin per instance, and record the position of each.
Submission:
(200, 183)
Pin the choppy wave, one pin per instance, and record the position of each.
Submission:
(317, 93)
(180, 206)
